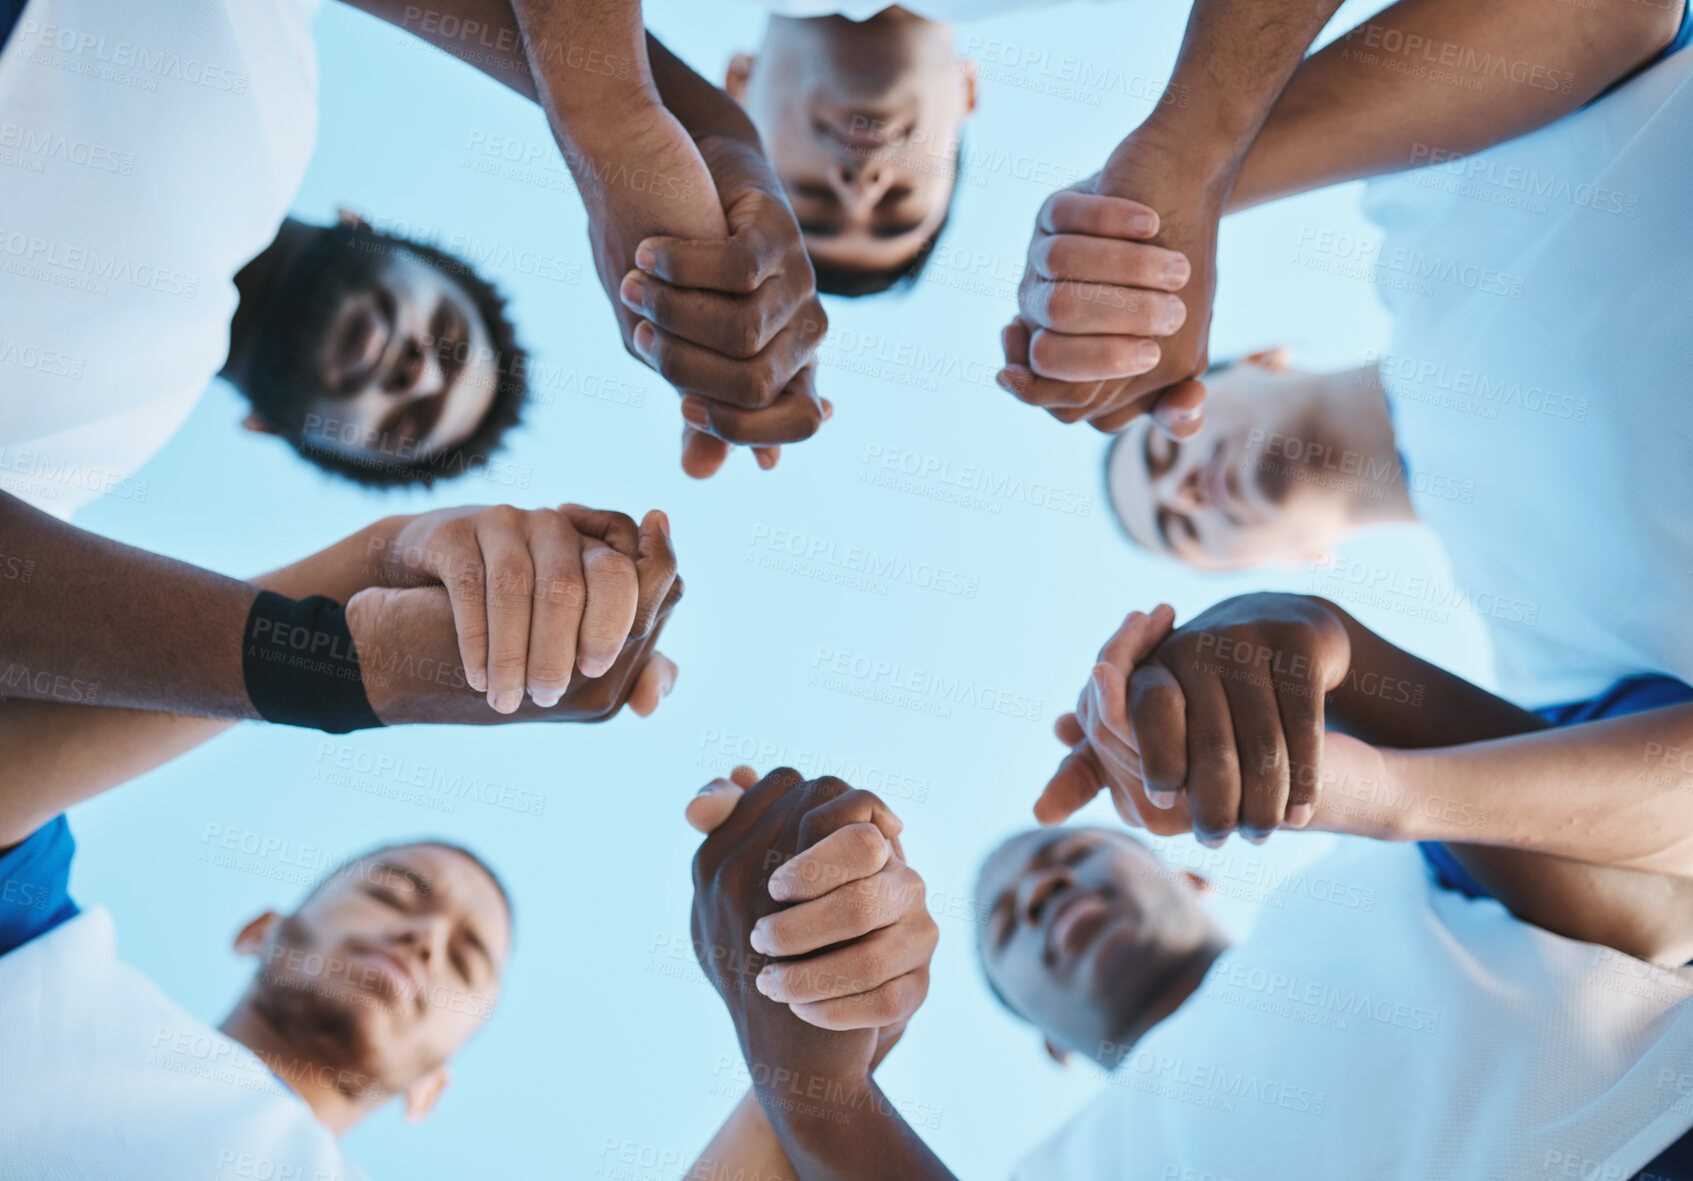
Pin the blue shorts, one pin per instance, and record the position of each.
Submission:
(35, 884)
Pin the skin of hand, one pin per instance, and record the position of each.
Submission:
(535, 592)
(410, 653)
(842, 919)
(1228, 710)
(1105, 368)
(734, 322)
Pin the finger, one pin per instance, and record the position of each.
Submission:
(767, 457)
(555, 548)
(738, 265)
(1089, 259)
(1179, 411)
(1027, 386)
(879, 1008)
(1070, 212)
(1067, 357)
(864, 965)
(1301, 708)
(511, 588)
(466, 581)
(748, 814)
(848, 911)
(1080, 309)
(1075, 783)
(613, 594)
(713, 804)
(1261, 752)
(657, 678)
(793, 417)
(737, 326)
(752, 383)
(845, 855)
(850, 806)
(703, 455)
(1158, 716)
(1213, 760)
(1110, 735)
(618, 530)
(1139, 634)
(655, 572)
(1068, 729)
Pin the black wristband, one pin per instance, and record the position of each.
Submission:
(301, 667)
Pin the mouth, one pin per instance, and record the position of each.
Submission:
(396, 979)
(1075, 924)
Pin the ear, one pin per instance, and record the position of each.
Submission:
(346, 217)
(968, 66)
(258, 425)
(251, 939)
(740, 69)
(1062, 1057)
(1276, 360)
(422, 1095)
(1198, 884)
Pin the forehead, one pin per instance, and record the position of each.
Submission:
(443, 879)
(1128, 487)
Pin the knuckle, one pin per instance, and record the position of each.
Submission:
(466, 579)
(744, 337)
(866, 844)
(1212, 748)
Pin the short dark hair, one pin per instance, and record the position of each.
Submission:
(853, 282)
(305, 290)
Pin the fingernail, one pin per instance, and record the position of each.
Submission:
(694, 413)
(828, 410)
(1178, 272)
(546, 698)
(1148, 353)
(663, 522)
(1299, 815)
(1257, 838)
(478, 679)
(765, 460)
(778, 886)
(1164, 800)
(644, 257)
(715, 785)
(507, 700)
(1143, 223)
(1011, 381)
(757, 941)
(633, 291)
(1188, 414)
(763, 979)
(645, 340)
(1213, 842)
(594, 668)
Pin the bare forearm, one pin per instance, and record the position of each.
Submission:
(848, 1134)
(1426, 80)
(745, 1146)
(1613, 792)
(100, 623)
(1234, 61)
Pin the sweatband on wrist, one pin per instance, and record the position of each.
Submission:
(301, 667)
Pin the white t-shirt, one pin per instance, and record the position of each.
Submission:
(951, 11)
(1429, 1038)
(1540, 392)
(148, 151)
(102, 1076)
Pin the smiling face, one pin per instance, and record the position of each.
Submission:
(1088, 933)
(1242, 491)
(389, 966)
(372, 351)
(862, 122)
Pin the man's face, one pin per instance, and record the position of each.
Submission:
(1086, 930)
(1231, 496)
(375, 352)
(389, 966)
(861, 121)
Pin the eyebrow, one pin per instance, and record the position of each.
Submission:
(417, 880)
(1036, 860)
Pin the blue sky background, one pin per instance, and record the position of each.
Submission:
(608, 1041)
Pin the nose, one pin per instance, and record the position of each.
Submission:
(1037, 889)
(426, 937)
(417, 372)
(859, 185)
(1181, 488)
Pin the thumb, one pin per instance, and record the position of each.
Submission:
(717, 799)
